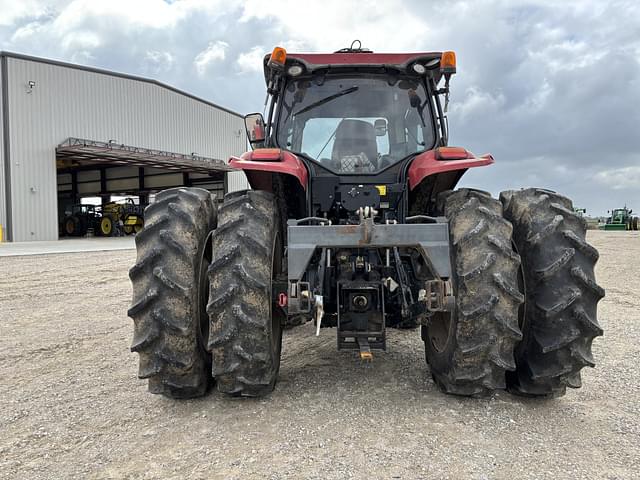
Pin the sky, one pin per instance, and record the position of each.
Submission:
(551, 88)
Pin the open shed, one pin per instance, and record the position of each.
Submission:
(70, 132)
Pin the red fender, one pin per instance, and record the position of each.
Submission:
(272, 160)
(441, 160)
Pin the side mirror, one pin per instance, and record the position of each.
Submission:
(254, 124)
(380, 126)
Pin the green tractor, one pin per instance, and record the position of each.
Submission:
(581, 212)
(621, 219)
(78, 220)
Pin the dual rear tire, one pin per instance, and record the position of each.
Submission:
(525, 322)
(168, 280)
(560, 320)
(470, 349)
(202, 291)
(245, 339)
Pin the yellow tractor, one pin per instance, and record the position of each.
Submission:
(128, 212)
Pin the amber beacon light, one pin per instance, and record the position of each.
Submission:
(278, 57)
(448, 62)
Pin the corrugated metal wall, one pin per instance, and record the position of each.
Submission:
(68, 102)
(3, 206)
(237, 181)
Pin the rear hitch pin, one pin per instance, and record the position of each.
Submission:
(365, 350)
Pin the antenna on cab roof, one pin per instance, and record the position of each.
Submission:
(352, 49)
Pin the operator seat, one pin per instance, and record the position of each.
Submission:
(355, 149)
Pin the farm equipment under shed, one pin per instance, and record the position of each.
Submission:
(111, 219)
(130, 214)
(79, 219)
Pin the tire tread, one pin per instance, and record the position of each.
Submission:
(165, 293)
(487, 293)
(562, 293)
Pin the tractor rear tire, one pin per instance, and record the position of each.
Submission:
(471, 349)
(170, 293)
(635, 223)
(245, 336)
(71, 225)
(561, 293)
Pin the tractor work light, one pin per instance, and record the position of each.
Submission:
(278, 58)
(419, 68)
(295, 70)
(448, 62)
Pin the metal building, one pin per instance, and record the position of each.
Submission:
(70, 131)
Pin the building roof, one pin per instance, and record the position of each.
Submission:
(74, 66)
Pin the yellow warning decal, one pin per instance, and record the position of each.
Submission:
(382, 189)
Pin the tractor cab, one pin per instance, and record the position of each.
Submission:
(354, 120)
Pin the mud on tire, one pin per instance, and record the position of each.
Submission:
(245, 335)
(470, 350)
(167, 306)
(561, 292)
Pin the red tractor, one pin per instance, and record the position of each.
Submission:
(353, 222)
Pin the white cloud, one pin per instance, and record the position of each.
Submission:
(620, 178)
(251, 61)
(152, 14)
(142, 13)
(27, 31)
(477, 103)
(156, 61)
(13, 10)
(215, 51)
(81, 40)
(82, 57)
(332, 24)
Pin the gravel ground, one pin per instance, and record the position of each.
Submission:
(71, 406)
